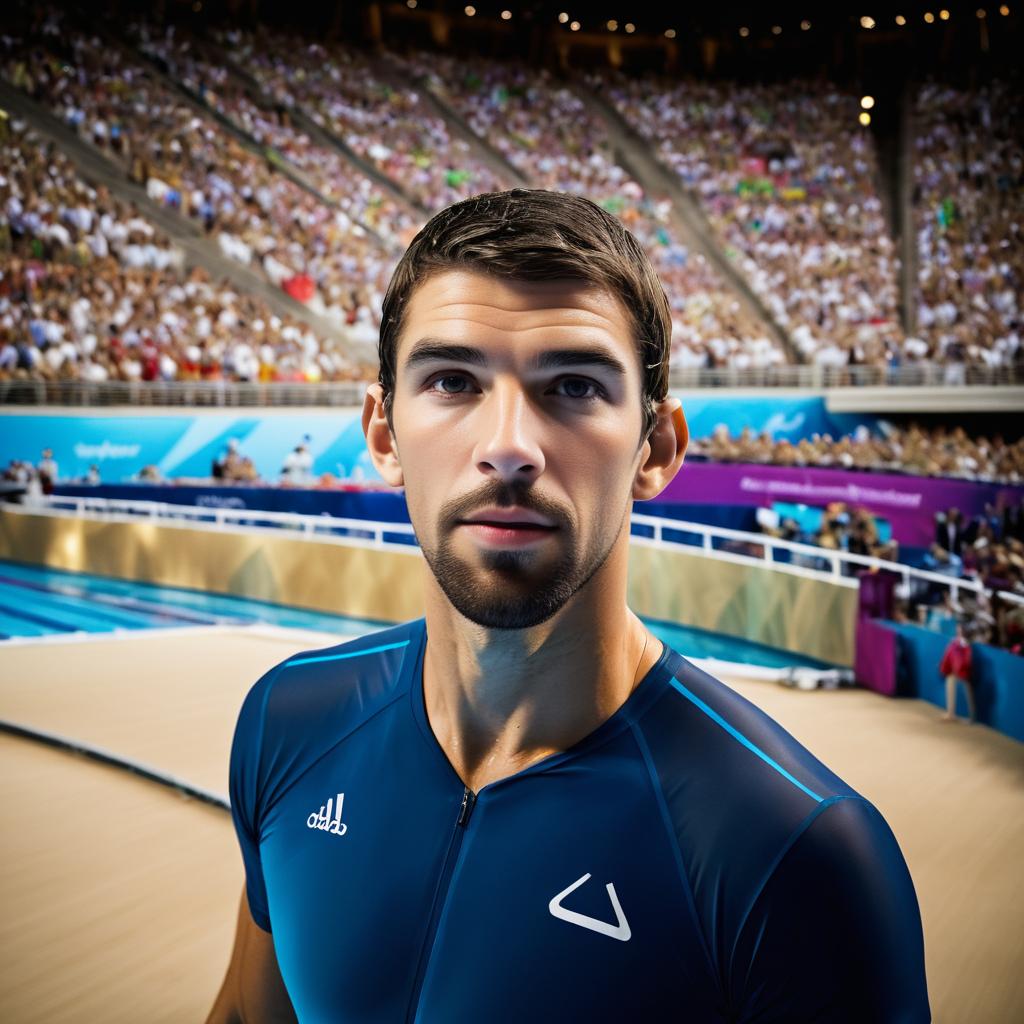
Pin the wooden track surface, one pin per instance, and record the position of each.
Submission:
(119, 897)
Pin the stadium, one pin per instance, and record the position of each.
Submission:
(201, 208)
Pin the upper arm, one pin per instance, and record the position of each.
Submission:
(253, 991)
(835, 933)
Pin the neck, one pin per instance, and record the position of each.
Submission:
(499, 700)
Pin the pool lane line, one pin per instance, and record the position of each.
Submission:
(151, 609)
(110, 759)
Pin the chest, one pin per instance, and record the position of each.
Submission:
(394, 896)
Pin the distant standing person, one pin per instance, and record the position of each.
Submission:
(956, 665)
(298, 464)
(47, 470)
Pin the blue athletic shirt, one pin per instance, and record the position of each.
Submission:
(687, 861)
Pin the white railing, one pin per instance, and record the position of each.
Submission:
(372, 533)
(757, 548)
(835, 559)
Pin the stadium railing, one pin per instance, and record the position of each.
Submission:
(347, 393)
(836, 566)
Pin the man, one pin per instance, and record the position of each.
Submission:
(524, 807)
(298, 464)
(47, 470)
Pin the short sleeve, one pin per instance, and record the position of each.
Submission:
(835, 933)
(244, 787)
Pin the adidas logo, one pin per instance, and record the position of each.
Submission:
(329, 818)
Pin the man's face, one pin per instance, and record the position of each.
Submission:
(517, 421)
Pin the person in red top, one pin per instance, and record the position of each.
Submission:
(956, 665)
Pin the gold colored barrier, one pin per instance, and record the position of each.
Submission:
(755, 602)
(275, 566)
(795, 613)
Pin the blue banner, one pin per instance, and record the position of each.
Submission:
(186, 445)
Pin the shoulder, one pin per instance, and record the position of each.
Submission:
(316, 698)
(791, 869)
(704, 733)
(738, 791)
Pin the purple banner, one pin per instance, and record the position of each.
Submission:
(908, 502)
(874, 663)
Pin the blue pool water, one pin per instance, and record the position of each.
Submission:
(37, 601)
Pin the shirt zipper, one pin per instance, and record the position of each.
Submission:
(441, 897)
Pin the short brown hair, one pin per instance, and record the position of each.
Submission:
(536, 235)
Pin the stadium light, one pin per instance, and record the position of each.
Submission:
(563, 18)
(900, 20)
(506, 15)
(867, 102)
(670, 33)
(864, 118)
(805, 25)
(575, 26)
(470, 11)
(744, 31)
(776, 30)
(867, 22)
(929, 17)
(613, 25)
(944, 14)
(630, 27)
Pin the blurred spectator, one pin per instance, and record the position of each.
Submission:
(224, 464)
(949, 534)
(47, 470)
(956, 667)
(298, 465)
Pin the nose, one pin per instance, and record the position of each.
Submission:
(508, 435)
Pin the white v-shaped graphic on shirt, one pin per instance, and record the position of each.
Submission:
(618, 931)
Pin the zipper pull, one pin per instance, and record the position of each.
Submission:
(468, 800)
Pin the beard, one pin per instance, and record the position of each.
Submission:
(510, 590)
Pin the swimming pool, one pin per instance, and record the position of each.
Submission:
(36, 601)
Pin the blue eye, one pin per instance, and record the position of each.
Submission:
(579, 388)
(450, 384)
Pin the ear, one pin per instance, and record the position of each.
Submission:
(663, 451)
(379, 440)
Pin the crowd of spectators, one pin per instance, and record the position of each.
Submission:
(90, 290)
(934, 452)
(54, 211)
(324, 167)
(989, 549)
(969, 217)
(103, 321)
(186, 160)
(349, 94)
(542, 127)
(787, 179)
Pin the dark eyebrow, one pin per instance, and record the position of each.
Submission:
(559, 358)
(429, 350)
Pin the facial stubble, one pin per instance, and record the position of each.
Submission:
(507, 590)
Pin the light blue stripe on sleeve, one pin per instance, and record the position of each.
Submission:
(740, 738)
(348, 654)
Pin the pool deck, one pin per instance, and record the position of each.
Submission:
(115, 889)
